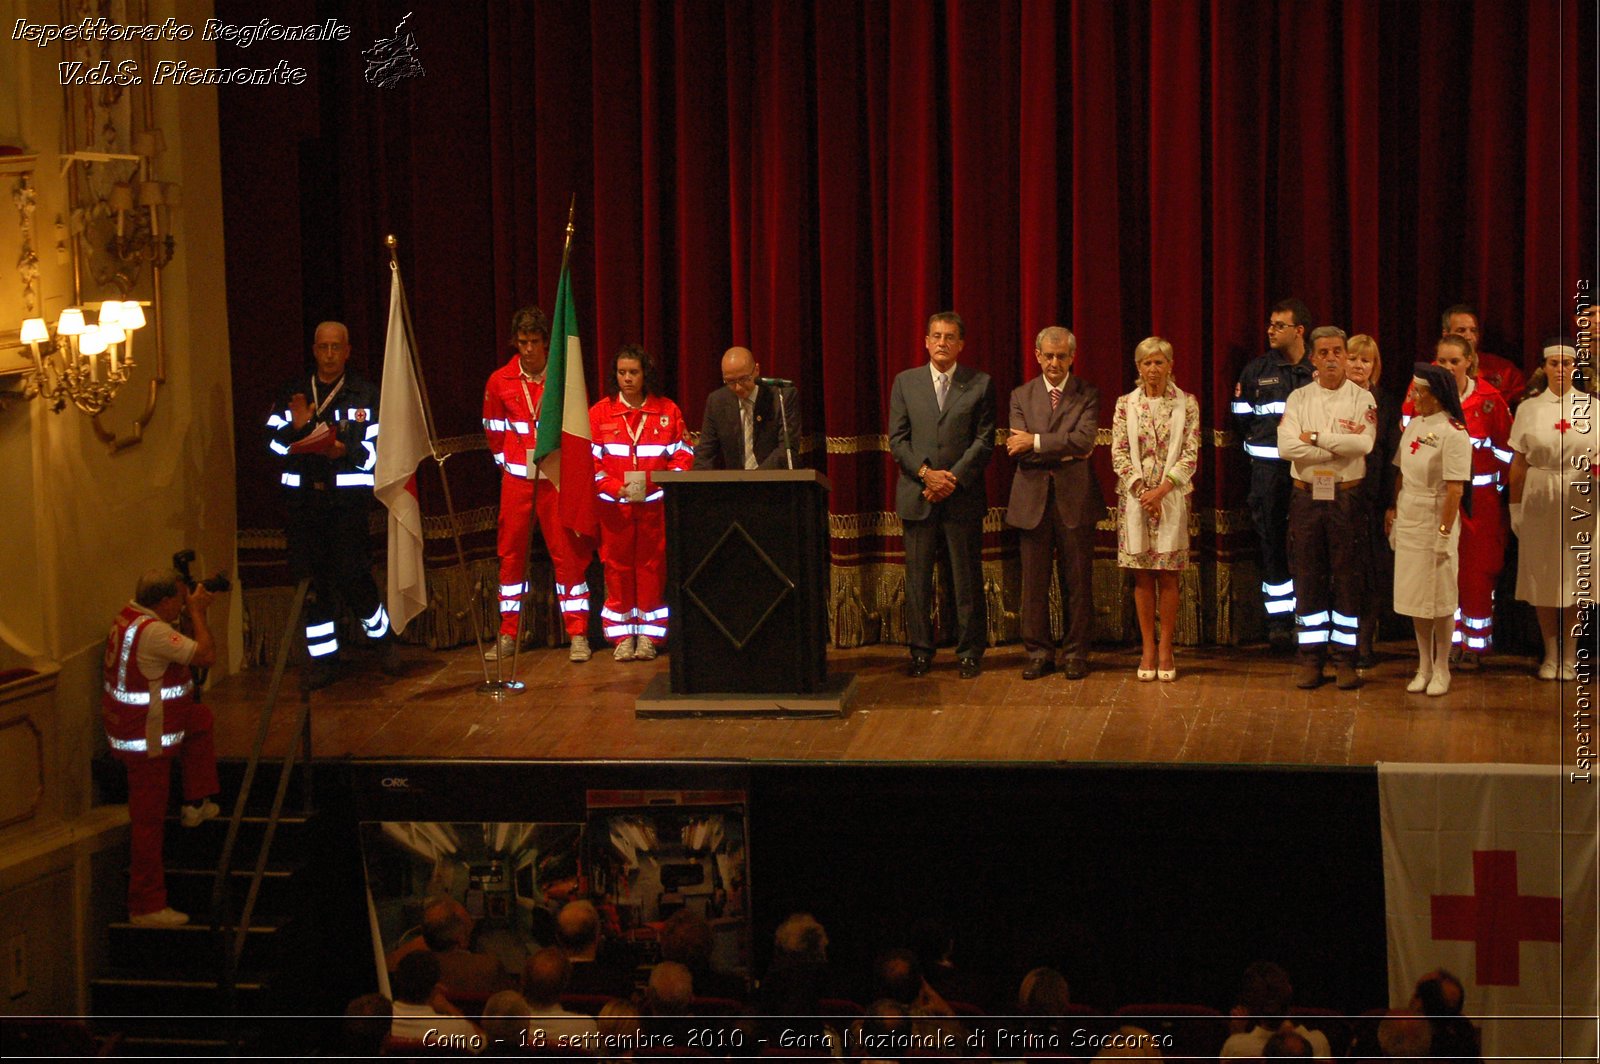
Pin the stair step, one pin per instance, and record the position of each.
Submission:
(189, 890)
(200, 847)
(191, 948)
(129, 1002)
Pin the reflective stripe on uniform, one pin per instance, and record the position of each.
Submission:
(139, 746)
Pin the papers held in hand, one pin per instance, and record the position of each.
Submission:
(320, 440)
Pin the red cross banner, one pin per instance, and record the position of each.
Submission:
(1489, 872)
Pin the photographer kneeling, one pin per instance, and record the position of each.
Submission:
(150, 711)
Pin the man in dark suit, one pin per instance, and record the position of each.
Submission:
(743, 426)
(941, 433)
(1055, 501)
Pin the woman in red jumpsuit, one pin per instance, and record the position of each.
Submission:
(636, 433)
(1483, 534)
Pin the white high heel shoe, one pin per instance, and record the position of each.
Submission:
(1419, 683)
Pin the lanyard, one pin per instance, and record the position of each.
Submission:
(633, 432)
(527, 400)
(323, 405)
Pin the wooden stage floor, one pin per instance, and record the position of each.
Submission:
(1228, 706)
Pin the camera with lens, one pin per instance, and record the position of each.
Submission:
(216, 583)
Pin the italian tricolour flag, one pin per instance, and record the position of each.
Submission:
(562, 447)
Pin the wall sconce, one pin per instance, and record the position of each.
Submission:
(84, 364)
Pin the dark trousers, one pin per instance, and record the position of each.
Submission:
(1270, 487)
(962, 539)
(1074, 569)
(329, 542)
(1326, 558)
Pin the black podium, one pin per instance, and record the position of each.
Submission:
(747, 584)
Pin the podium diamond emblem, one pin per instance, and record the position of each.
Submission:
(737, 586)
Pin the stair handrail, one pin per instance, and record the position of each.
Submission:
(222, 924)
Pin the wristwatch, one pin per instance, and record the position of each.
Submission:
(1314, 439)
(1444, 530)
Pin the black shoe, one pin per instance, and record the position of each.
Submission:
(1367, 659)
(389, 658)
(1348, 679)
(1309, 675)
(1038, 667)
(920, 664)
(1280, 639)
(970, 667)
(1076, 669)
(320, 674)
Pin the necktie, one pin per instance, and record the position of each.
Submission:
(941, 387)
(747, 412)
(1055, 398)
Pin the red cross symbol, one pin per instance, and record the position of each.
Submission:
(1496, 917)
(1562, 426)
(1416, 445)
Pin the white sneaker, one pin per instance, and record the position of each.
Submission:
(580, 648)
(1547, 670)
(160, 918)
(623, 650)
(644, 649)
(1419, 683)
(503, 648)
(192, 816)
(1440, 683)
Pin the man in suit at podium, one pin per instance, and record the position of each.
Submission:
(941, 433)
(1055, 501)
(743, 426)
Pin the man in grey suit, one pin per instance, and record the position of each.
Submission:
(743, 426)
(941, 433)
(1055, 501)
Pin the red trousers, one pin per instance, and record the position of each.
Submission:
(569, 554)
(1482, 556)
(633, 546)
(149, 783)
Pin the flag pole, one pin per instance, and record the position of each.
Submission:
(533, 503)
(433, 445)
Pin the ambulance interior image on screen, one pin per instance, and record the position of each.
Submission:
(637, 862)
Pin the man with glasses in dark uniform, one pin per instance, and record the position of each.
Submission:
(1258, 402)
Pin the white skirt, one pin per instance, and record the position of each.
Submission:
(1424, 580)
(1547, 565)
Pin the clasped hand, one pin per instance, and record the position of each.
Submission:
(938, 485)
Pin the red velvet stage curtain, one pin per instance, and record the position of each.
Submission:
(813, 179)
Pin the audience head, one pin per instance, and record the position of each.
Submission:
(413, 981)
(545, 976)
(1438, 993)
(1404, 1034)
(367, 1020)
(1044, 992)
(505, 1017)
(670, 987)
(933, 939)
(1265, 993)
(620, 1022)
(884, 1018)
(800, 938)
(1287, 1042)
(578, 928)
(686, 938)
(898, 976)
(1456, 352)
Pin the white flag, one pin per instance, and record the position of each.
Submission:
(402, 444)
(1489, 872)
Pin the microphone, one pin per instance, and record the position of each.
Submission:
(775, 382)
